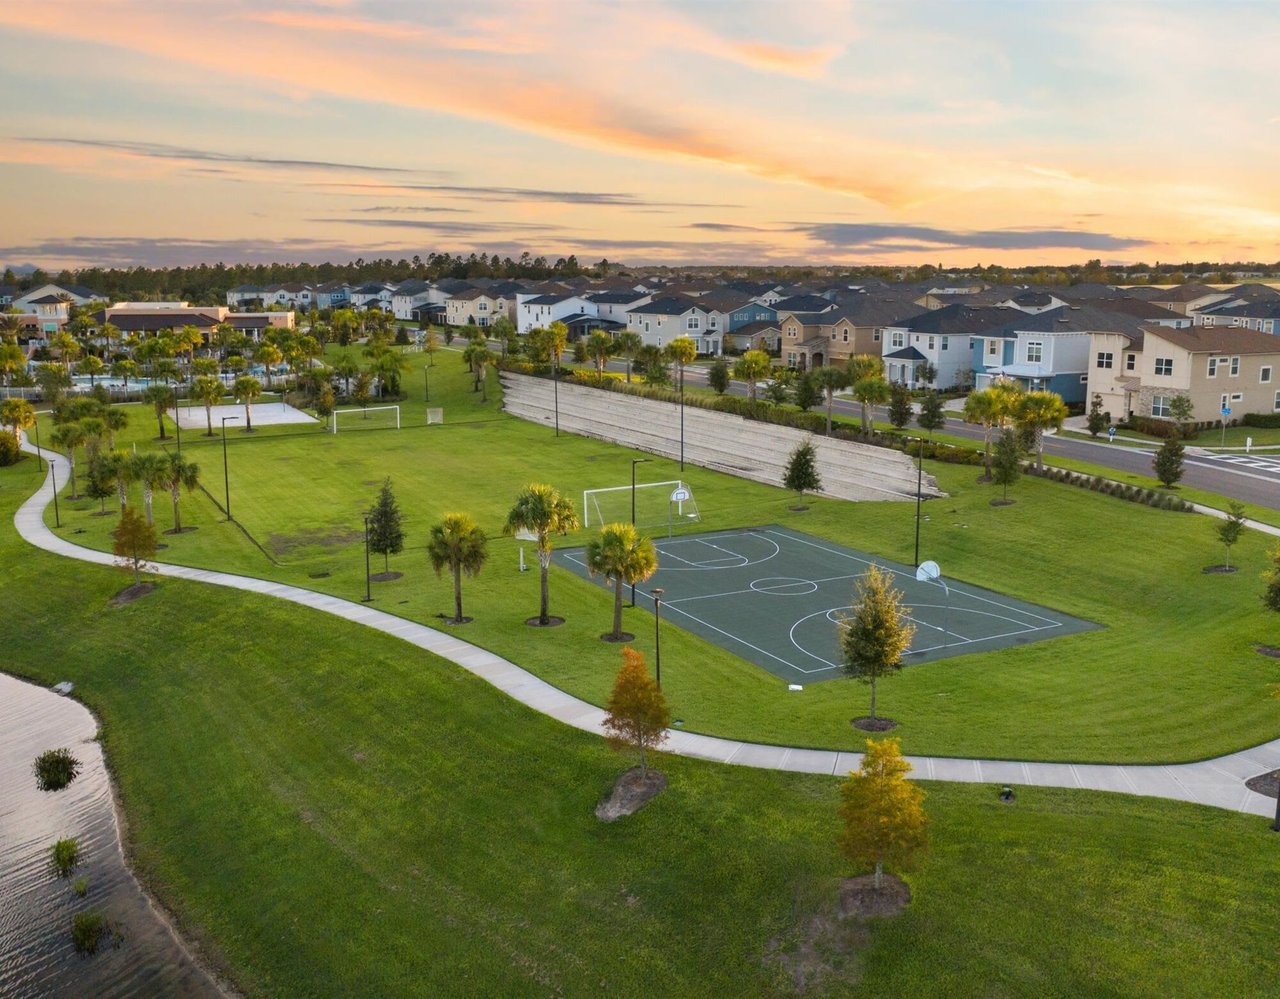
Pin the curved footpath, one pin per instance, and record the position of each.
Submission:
(1218, 782)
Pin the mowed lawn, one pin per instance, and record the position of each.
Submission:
(330, 811)
(1172, 676)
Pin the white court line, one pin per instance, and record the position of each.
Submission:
(689, 566)
(740, 641)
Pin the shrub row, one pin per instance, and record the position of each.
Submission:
(1269, 421)
(1096, 483)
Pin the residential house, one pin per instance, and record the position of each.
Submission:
(664, 319)
(940, 338)
(410, 295)
(1187, 299)
(1217, 368)
(7, 293)
(476, 307)
(1263, 316)
(763, 335)
(333, 295)
(1145, 311)
(754, 311)
(374, 295)
(542, 310)
(1033, 301)
(51, 311)
(612, 306)
(291, 296)
(721, 304)
(73, 294)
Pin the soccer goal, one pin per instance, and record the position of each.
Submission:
(373, 418)
(657, 504)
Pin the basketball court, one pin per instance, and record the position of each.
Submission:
(774, 597)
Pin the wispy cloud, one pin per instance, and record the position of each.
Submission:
(516, 194)
(885, 235)
(443, 226)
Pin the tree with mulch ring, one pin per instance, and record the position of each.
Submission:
(874, 638)
(1228, 532)
(386, 531)
(622, 557)
(882, 822)
(134, 543)
(1006, 465)
(457, 543)
(540, 510)
(802, 474)
(55, 769)
(637, 721)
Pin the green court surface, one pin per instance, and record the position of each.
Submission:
(774, 597)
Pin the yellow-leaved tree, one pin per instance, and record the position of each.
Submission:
(882, 812)
(638, 713)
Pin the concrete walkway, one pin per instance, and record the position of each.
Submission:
(1218, 782)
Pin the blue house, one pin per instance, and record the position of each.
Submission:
(753, 312)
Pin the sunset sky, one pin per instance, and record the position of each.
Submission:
(803, 131)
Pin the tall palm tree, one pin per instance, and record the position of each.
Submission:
(600, 348)
(152, 471)
(120, 467)
(68, 437)
(67, 347)
(268, 355)
(208, 391)
(189, 338)
(456, 542)
(628, 345)
(180, 474)
(1038, 412)
(557, 340)
(246, 389)
(870, 391)
(91, 365)
(160, 397)
(830, 379)
(981, 407)
(542, 511)
(623, 557)
(752, 367)
(116, 420)
(682, 351)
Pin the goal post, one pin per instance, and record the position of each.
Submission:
(372, 418)
(657, 504)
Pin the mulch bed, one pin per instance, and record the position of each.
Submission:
(859, 898)
(385, 577)
(1209, 569)
(1268, 784)
(626, 636)
(874, 724)
(797, 509)
(445, 618)
(1268, 650)
(131, 593)
(185, 530)
(552, 622)
(1002, 502)
(630, 793)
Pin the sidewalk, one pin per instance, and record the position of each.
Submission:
(1217, 782)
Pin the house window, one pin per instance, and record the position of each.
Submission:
(1084, 379)
(1105, 358)
(833, 336)
(944, 342)
(1130, 362)
(646, 326)
(1224, 403)
(692, 324)
(483, 307)
(1160, 405)
(846, 335)
(1264, 375)
(875, 337)
(1164, 365)
(991, 348)
(899, 339)
(791, 331)
(1235, 366)
(1276, 405)
(1213, 367)
(791, 359)
(932, 344)
(1237, 396)
(1035, 351)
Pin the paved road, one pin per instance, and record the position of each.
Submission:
(1217, 782)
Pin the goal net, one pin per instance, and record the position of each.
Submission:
(657, 504)
(373, 418)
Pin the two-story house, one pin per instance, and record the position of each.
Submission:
(665, 318)
(543, 310)
(940, 338)
(1263, 316)
(331, 295)
(374, 295)
(613, 306)
(475, 307)
(410, 295)
(244, 296)
(73, 294)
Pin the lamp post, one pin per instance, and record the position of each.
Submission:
(634, 463)
(177, 423)
(682, 417)
(53, 474)
(368, 594)
(226, 480)
(555, 386)
(426, 394)
(39, 456)
(657, 633)
(919, 489)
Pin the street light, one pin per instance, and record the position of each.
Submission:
(53, 474)
(39, 456)
(226, 480)
(426, 395)
(177, 423)
(368, 594)
(657, 633)
(919, 488)
(682, 417)
(634, 463)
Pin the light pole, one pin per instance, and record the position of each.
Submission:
(226, 480)
(919, 489)
(682, 417)
(657, 633)
(426, 395)
(368, 594)
(39, 456)
(555, 385)
(634, 463)
(53, 474)
(177, 423)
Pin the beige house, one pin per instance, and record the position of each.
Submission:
(1140, 374)
(477, 307)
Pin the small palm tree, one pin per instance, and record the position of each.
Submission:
(68, 437)
(600, 348)
(125, 368)
(208, 391)
(161, 398)
(830, 379)
(870, 391)
(116, 420)
(456, 542)
(628, 345)
(682, 351)
(542, 511)
(152, 470)
(268, 355)
(1038, 412)
(752, 367)
(120, 467)
(622, 557)
(246, 389)
(179, 473)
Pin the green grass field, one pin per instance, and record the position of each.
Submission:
(1171, 677)
(330, 811)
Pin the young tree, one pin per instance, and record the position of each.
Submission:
(899, 405)
(802, 475)
(638, 714)
(830, 380)
(324, 402)
(931, 416)
(1097, 421)
(752, 367)
(882, 813)
(430, 343)
(1168, 462)
(627, 345)
(179, 474)
(1229, 530)
(580, 351)
(209, 391)
(1036, 412)
(134, 542)
(718, 376)
(926, 374)
(1183, 411)
(246, 389)
(101, 482)
(362, 392)
(1006, 465)
(542, 511)
(457, 543)
(805, 390)
(779, 387)
(875, 637)
(386, 532)
(622, 557)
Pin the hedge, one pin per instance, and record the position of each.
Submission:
(1157, 498)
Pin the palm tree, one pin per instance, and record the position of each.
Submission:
(179, 473)
(628, 345)
(205, 366)
(268, 355)
(12, 360)
(862, 366)
(116, 420)
(17, 413)
(600, 348)
(120, 467)
(542, 511)
(160, 397)
(67, 347)
(752, 367)
(208, 391)
(1038, 412)
(557, 340)
(389, 367)
(870, 391)
(152, 470)
(476, 356)
(95, 431)
(458, 543)
(246, 389)
(68, 437)
(682, 350)
(830, 379)
(623, 557)
(189, 338)
(125, 369)
(346, 367)
(981, 407)
(92, 366)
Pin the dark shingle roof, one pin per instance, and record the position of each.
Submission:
(960, 319)
(907, 354)
(46, 300)
(804, 303)
(1250, 310)
(667, 305)
(1217, 339)
(616, 297)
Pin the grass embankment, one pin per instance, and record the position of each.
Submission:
(330, 811)
(1172, 677)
